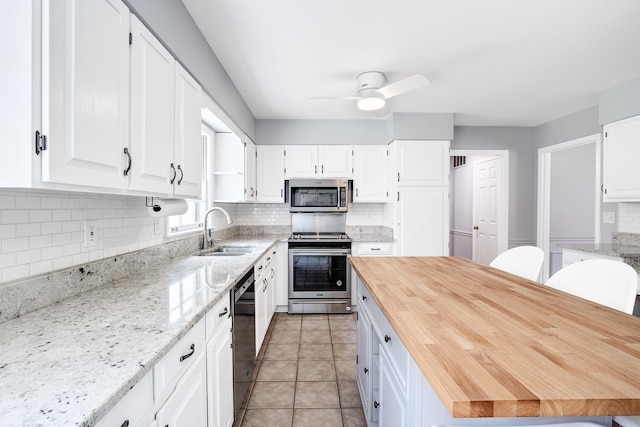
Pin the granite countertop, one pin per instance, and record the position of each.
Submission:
(69, 363)
(356, 237)
(610, 249)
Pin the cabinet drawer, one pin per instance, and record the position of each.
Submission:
(571, 256)
(217, 316)
(168, 371)
(135, 408)
(372, 249)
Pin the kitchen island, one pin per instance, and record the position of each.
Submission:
(491, 344)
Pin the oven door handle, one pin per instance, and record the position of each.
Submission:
(319, 251)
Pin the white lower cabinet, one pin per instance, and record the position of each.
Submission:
(220, 365)
(382, 366)
(135, 409)
(265, 293)
(187, 405)
(392, 406)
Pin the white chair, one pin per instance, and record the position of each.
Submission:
(523, 261)
(611, 283)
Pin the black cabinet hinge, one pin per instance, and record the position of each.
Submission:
(130, 38)
(41, 142)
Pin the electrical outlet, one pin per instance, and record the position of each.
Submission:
(609, 217)
(90, 233)
(158, 225)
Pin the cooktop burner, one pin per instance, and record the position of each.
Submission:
(320, 237)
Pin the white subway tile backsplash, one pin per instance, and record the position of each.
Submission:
(629, 217)
(42, 231)
(16, 216)
(7, 231)
(14, 273)
(40, 215)
(15, 245)
(26, 230)
(25, 202)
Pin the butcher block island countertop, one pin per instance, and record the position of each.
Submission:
(492, 344)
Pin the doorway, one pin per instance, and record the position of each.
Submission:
(472, 202)
(568, 197)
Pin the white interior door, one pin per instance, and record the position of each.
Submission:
(487, 176)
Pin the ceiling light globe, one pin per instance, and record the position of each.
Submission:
(371, 103)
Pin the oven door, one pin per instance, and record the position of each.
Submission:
(319, 273)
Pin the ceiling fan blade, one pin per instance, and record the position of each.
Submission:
(333, 97)
(405, 85)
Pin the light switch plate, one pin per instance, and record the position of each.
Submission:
(609, 217)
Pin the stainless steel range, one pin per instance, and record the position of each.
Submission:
(319, 277)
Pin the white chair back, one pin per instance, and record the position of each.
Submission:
(611, 283)
(523, 261)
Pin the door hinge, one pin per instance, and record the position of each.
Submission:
(130, 38)
(41, 142)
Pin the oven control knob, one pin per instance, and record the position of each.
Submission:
(339, 283)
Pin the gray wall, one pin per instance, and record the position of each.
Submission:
(522, 162)
(172, 24)
(382, 131)
(620, 102)
(577, 125)
(292, 132)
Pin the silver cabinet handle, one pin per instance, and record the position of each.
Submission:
(322, 169)
(315, 169)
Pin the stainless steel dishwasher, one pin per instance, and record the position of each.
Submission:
(244, 339)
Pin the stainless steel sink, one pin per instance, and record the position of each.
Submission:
(226, 250)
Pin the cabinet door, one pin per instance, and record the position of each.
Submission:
(421, 163)
(135, 409)
(271, 290)
(621, 148)
(301, 161)
(282, 274)
(261, 310)
(220, 376)
(188, 151)
(335, 161)
(249, 170)
(187, 405)
(152, 112)
(392, 410)
(270, 173)
(228, 168)
(370, 173)
(422, 221)
(86, 93)
(363, 361)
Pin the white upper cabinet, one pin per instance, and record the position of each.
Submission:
(250, 186)
(301, 161)
(420, 163)
(621, 149)
(270, 173)
(234, 176)
(318, 161)
(370, 173)
(165, 120)
(86, 101)
(67, 82)
(188, 155)
(335, 161)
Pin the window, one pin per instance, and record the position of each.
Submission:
(193, 218)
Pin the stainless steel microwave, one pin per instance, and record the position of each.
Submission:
(319, 195)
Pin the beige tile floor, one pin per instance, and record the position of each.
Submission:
(306, 374)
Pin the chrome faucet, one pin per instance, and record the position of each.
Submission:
(207, 241)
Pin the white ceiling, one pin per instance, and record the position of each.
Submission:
(491, 62)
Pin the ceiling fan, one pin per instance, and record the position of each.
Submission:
(372, 93)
